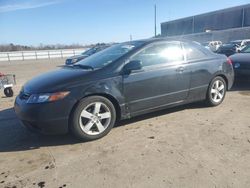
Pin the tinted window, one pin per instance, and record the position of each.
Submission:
(246, 49)
(159, 54)
(193, 52)
(109, 55)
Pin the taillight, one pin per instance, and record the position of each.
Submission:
(229, 61)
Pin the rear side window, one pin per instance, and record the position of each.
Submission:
(160, 53)
(193, 52)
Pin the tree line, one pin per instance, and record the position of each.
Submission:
(15, 47)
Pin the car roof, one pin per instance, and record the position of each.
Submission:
(172, 39)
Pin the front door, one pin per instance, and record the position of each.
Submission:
(163, 80)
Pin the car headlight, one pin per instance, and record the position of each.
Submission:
(74, 60)
(47, 97)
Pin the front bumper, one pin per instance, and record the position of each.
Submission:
(47, 118)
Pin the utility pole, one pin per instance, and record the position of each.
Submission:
(155, 22)
(130, 37)
(243, 17)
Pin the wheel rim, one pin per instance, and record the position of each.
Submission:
(217, 91)
(95, 118)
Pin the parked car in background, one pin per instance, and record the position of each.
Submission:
(74, 59)
(227, 49)
(236, 42)
(121, 82)
(241, 62)
(244, 43)
(213, 45)
(240, 44)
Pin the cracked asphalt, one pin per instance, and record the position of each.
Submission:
(187, 146)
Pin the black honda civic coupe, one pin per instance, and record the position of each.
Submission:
(120, 82)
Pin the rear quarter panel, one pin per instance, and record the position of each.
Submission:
(203, 71)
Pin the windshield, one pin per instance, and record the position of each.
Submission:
(109, 55)
(89, 52)
(228, 45)
(236, 42)
(246, 49)
(205, 43)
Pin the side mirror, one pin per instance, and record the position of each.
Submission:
(132, 66)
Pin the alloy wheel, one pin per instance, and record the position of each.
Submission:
(95, 118)
(217, 91)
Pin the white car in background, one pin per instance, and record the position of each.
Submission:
(240, 44)
(244, 43)
(212, 45)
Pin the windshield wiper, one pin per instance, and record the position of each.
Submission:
(83, 66)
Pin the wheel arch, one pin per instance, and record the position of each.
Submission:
(222, 76)
(111, 98)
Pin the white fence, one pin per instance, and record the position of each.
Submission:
(40, 54)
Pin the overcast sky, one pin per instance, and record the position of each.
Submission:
(31, 22)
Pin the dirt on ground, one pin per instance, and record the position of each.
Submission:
(187, 146)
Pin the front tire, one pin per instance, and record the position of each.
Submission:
(216, 91)
(93, 118)
(8, 92)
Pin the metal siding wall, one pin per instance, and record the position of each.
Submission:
(223, 35)
(184, 24)
(247, 17)
(219, 20)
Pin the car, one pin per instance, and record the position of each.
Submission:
(212, 45)
(236, 42)
(240, 44)
(227, 49)
(74, 59)
(123, 81)
(244, 43)
(241, 62)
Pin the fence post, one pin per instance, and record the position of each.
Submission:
(61, 54)
(74, 52)
(36, 54)
(23, 56)
(48, 55)
(8, 55)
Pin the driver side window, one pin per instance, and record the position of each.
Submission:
(158, 54)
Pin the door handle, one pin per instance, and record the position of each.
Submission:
(180, 69)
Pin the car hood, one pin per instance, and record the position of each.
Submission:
(57, 80)
(240, 58)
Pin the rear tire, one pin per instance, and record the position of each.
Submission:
(93, 118)
(216, 91)
(8, 92)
